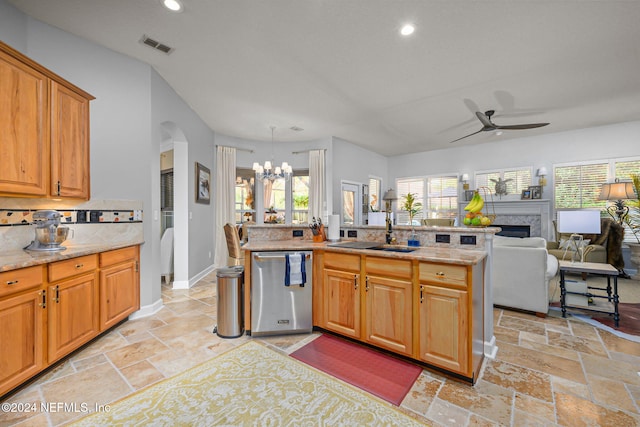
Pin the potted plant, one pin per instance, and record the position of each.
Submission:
(413, 208)
(633, 221)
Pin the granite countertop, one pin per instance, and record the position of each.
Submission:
(441, 255)
(12, 260)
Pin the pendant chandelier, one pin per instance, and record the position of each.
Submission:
(267, 173)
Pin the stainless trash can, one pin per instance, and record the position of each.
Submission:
(230, 302)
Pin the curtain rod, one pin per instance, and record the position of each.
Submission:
(237, 149)
(310, 149)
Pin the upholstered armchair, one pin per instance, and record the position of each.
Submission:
(521, 272)
(605, 247)
(236, 254)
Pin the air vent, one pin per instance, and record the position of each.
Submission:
(296, 128)
(156, 45)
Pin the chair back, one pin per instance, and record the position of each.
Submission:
(233, 241)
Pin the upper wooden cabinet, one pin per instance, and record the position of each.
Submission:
(44, 131)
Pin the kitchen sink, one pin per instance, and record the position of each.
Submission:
(392, 249)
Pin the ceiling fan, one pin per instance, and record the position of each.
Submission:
(488, 125)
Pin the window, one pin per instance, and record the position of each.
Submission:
(300, 197)
(438, 196)
(517, 179)
(374, 194)
(442, 197)
(578, 185)
(275, 199)
(244, 201)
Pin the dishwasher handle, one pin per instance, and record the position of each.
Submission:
(274, 257)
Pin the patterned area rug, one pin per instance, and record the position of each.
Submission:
(379, 374)
(247, 386)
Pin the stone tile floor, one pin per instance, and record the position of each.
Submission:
(547, 372)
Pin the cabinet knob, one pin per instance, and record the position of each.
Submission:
(79, 266)
(12, 282)
(440, 274)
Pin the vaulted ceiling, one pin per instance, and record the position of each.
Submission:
(340, 68)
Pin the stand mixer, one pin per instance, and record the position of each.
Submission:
(49, 234)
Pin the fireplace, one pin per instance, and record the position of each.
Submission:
(534, 214)
(513, 230)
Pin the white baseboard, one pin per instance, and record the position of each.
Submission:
(184, 284)
(490, 348)
(147, 310)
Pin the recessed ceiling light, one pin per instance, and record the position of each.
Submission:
(173, 5)
(407, 29)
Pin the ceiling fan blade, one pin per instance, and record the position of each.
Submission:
(466, 136)
(516, 127)
(485, 120)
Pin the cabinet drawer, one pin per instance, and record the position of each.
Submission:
(443, 273)
(118, 256)
(388, 267)
(348, 262)
(72, 267)
(18, 280)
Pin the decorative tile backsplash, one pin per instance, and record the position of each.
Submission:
(9, 217)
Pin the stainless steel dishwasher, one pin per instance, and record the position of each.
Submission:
(276, 308)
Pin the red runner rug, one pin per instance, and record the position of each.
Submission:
(377, 373)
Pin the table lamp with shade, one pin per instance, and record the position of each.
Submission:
(577, 223)
(617, 192)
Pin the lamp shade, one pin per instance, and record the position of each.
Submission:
(390, 195)
(542, 171)
(579, 221)
(617, 191)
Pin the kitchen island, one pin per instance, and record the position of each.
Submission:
(426, 304)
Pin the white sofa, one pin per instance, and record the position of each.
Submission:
(521, 271)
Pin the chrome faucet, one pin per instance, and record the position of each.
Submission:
(389, 229)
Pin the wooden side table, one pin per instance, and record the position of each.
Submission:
(611, 306)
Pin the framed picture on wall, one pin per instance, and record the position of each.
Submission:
(536, 191)
(526, 194)
(203, 184)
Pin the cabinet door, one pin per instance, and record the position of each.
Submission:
(24, 129)
(342, 302)
(73, 314)
(69, 143)
(21, 338)
(443, 327)
(388, 313)
(119, 295)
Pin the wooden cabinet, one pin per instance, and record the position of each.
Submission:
(119, 285)
(44, 133)
(450, 317)
(431, 312)
(49, 310)
(341, 286)
(69, 143)
(21, 326)
(342, 302)
(24, 128)
(388, 309)
(72, 310)
(444, 346)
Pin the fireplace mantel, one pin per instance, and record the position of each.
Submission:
(535, 213)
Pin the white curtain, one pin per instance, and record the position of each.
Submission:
(316, 184)
(225, 200)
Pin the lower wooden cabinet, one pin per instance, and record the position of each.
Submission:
(21, 338)
(119, 286)
(49, 310)
(72, 313)
(342, 302)
(442, 322)
(431, 312)
(388, 316)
